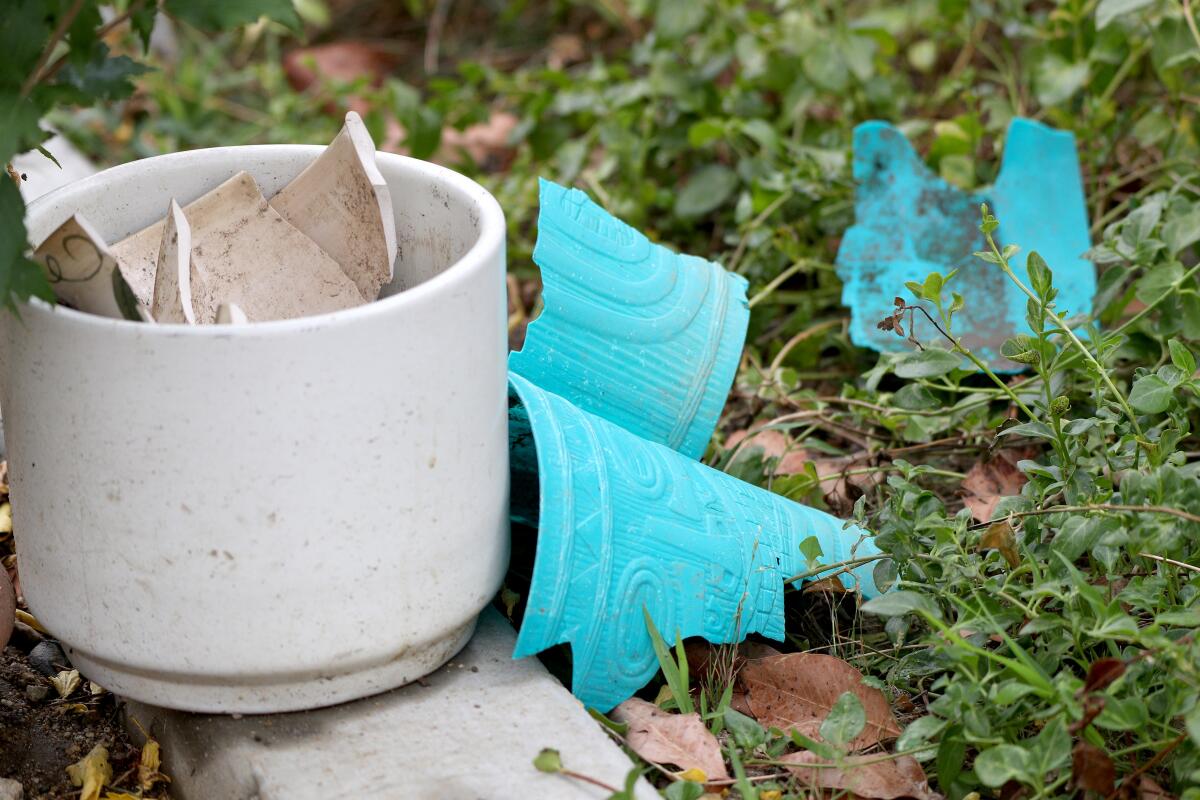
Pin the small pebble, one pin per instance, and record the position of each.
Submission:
(48, 658)
(11, 790)
(37, 692)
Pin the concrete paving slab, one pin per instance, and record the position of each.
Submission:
(471, 732)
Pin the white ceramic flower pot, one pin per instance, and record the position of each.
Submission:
(272, 516)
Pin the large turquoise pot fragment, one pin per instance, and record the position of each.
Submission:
(643, 336)
(910, 222)
(625, 524)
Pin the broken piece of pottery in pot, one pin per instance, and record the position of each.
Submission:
(83, 272)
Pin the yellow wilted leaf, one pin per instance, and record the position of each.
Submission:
(694, 774)
(149, 765)
(91, 772)
(6, 518)
(25, 618)
(770, 794)
(66, 682)
(120, 796)
(664, 694)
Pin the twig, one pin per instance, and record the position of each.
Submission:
(1165, 560)
(433, 40)
(1174, 512)
(800, 337)
(1159, 756)
(570, 773)
(60, 30)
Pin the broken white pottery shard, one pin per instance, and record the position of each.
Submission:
(251, 256)
(176, 277)
(84, 272)
(342, 203)
(230, 314)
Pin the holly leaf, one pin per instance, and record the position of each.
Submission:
(101, 77)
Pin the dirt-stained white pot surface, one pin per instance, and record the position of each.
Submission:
(272, 516)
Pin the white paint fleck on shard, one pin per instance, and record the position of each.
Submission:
(84, 272)
(342, 202)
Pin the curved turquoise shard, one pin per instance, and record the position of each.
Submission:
(632, 332)
(910, 222)
(624, 523)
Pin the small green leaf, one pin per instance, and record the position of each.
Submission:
(1108, 10)
(746, 731)
(684, 790)
(1192, 722)
(706, 190)
(927, 363)
(998, 765)
(902, 601)
(223, 15)
(810, 548)
(1151, 395)
(1182, 357)
(846, 720)
(951, 753)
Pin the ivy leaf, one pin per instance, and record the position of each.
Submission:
(141, 20)
(220, 15)
(707, 189)
(101, 77)
(1151, 394)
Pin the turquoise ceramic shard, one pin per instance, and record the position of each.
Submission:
(625, 523)
(910, 222)
(631, 331)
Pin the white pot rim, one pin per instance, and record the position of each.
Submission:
(465, 269)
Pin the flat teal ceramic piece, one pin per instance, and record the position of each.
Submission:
(626, 524)
(910, 222)
(631, 331)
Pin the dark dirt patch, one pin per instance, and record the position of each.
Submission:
(40, 738)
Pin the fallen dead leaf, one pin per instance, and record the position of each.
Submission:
(1001, 536)
(565, 49)
(1102, 673)
(91, 772)
(1148, 789)
(875, 777)
(830, 585)
(664, 738)
(149, 766)
(797, 691)
(1092, 769)
(988, 482)
(66, 682)
(339, 61)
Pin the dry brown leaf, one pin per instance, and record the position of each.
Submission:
(1148, 789)
(1001, 536)
(342, 62)
(986, 483)
(91, 772)
(664, 738)
(1092, 768)
(875, 777)
(830, 585)
(796, 692)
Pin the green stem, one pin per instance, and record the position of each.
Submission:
(1061, 323)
